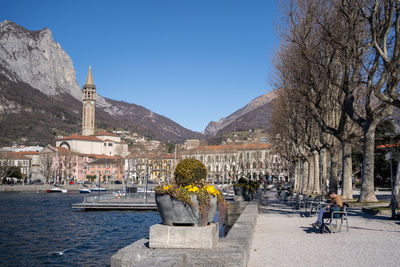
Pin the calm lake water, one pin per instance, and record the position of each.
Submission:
(33, 227)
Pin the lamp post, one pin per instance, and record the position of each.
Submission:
(148, 165)
(393, 199)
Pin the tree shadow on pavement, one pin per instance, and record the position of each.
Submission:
(373, 229)
(360, 213)
(270, 205)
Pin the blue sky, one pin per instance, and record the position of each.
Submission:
(192, 61)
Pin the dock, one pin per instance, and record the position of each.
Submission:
(109, 202)
(85, 206)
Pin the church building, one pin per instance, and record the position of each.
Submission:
(89, 142)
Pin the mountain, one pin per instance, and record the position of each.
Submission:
(38, 87)
(255, 115)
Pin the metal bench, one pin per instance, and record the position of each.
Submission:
(293, 199)
(315, 205)
(336, 216)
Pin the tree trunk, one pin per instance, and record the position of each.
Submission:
(323, 170)
(367, 187)
(296, 186)
(333, 180)
(300, 175)
(347, 170)
(305, 176)
(310, 183)
(317, 176)
(397, 184)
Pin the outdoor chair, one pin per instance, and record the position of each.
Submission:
(293, 199)
(308, 203)
(303, 203)
(336, 216)
(297, 201)
(315, 205)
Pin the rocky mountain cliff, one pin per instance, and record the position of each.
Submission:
(36, 59)
(33, 64)
(255, 115)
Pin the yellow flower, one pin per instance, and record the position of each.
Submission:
(211, 190)
(166, 187)
(192, 189)
(195, 189)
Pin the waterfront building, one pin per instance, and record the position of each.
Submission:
(149, 167)
(107, 169)
(13, 159)
(67, 165)
(62, 165)
(103, 143)
(34, 169)
(227, 163)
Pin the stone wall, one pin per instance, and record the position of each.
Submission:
(232, 250)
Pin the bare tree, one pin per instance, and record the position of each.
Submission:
(46, 164)
(344, 57)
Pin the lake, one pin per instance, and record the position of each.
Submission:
(42, 230)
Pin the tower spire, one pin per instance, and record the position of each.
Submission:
(89, 103)
(89, 79)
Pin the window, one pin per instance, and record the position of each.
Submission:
(110, 144)
(105, 144)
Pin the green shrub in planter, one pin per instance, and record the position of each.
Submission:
(190, 172)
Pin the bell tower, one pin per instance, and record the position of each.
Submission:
(89, 102)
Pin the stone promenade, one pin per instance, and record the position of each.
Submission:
(285, 237)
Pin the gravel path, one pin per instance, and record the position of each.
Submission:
(283, 237)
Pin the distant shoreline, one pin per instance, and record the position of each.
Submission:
(42, 188)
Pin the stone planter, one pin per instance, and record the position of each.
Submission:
(174, 212)
(242, 194)
(164, 236)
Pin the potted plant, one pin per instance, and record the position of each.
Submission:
(245, 190)
(188, 200)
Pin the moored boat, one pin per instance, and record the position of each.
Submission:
(56, 190)
(85, 191)
(97, 189)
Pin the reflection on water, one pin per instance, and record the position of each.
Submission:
(42, 230)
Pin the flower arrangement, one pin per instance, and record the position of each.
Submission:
(189, 184)
(245, 190)
(249, 185)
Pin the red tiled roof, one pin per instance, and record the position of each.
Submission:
(64, 151)
(105, 133)
(12, 155)
(154, 156)
(27, 153)
(226, 147)
(95, 156)
(81, 137)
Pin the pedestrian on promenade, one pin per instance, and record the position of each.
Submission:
(336, 204)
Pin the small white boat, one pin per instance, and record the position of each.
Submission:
(85, 191)
(98, 189)
(57, 190)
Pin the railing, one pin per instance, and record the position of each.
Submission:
(139, 196)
